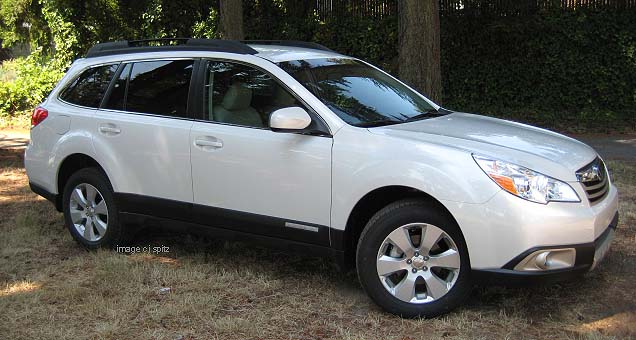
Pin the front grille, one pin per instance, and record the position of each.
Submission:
(595, 180)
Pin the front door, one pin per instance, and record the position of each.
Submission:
(249, 178)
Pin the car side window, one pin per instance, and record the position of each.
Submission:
(89, 88)
(155, 87)
(117, 96)
(242, 95)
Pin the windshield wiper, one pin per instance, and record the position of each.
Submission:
(380, 122)
(431, 113)
(428, 114)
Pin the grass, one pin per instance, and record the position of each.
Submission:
(52, 288)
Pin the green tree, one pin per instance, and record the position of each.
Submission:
(21, 21)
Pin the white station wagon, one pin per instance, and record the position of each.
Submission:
(294, 145)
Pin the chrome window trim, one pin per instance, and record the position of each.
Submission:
(143, 114)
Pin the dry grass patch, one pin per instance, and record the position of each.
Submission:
(51, 288)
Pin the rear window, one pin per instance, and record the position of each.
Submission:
(89, 88)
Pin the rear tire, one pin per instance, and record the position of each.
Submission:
(90, 210)
(430, 276)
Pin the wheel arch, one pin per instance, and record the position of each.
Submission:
(68, 166)
(370, 204)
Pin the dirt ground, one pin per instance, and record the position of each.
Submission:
(50, 288)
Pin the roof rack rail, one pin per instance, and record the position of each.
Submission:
(293, 43)
(168, 44)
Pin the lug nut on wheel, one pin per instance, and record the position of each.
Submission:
(425, 268)
(426, 258)
(414, 270)
(409, 261)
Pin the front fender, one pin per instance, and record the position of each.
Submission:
(363, 162)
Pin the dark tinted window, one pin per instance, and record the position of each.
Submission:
(242, 95)
(358, 93)
(88, 89)
(159, 87)
(118, 93)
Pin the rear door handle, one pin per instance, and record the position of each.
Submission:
(109, 129)
(206, 143)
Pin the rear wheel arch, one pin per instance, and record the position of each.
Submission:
(369, 205)
(70, 165)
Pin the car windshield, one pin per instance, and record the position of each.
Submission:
(358, 93)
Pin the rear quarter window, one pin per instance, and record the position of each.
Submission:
(89, 88)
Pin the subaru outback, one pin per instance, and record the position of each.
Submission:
(295, 145)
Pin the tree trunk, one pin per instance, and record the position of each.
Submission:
(231, 19)
(419, 46)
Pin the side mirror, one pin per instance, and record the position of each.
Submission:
(289, 119)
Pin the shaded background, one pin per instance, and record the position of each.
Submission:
(567, 65)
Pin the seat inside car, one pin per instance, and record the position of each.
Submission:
(236, 107)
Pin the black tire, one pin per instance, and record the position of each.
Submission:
(115, 234)
(384, 222)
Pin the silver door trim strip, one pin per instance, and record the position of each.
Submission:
(301, 226)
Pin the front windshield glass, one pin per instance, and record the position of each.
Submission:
(358, 93)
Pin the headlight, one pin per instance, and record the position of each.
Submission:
(526, 183)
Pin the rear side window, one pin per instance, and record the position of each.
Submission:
(117, 95)
(89, 88)
(156, 87)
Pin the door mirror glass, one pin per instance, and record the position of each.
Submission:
(290, 119)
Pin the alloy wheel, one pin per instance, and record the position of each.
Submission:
(88, 212)
(418, 263)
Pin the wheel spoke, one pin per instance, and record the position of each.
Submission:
(401, 239)
(89, 234)
(78, 197)
(430, 236)
(433, 266)
(91, 193)
(76, 215)
(405, 290)
(99, 225)
(448, 259)
(101, 208)
(388, 265)
(435, 286)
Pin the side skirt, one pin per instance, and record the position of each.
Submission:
(231, 235)
(307, 238)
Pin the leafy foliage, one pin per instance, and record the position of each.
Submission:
(26, 82)
(558, 68)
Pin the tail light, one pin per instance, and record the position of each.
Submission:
(39, 114)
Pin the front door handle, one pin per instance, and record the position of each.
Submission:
(109, 129)
(206, 143)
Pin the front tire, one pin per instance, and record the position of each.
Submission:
(412, 260)
(90, 210)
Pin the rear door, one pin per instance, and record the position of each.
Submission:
(142, 129)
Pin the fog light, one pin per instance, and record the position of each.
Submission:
(548, 259)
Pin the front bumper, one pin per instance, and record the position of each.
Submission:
(588, 256)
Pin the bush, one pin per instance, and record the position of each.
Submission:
(26, 82)
(562, 69)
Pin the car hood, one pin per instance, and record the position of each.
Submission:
(541, 150)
